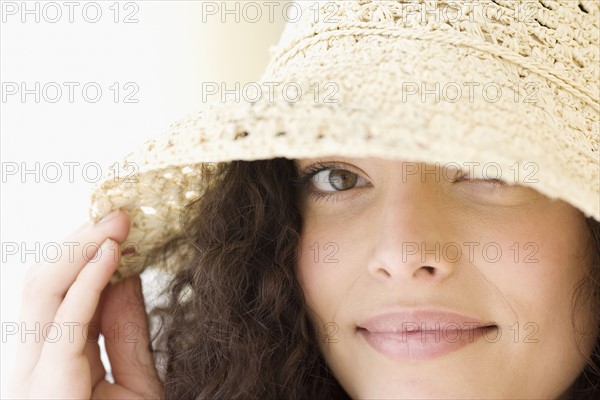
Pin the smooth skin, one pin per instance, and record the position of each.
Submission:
(74, 293)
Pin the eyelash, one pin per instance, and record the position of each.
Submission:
(493, 183)
(313, 169)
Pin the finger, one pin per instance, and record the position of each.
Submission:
(80, 303)
(78, 249)
(46, 285)
(125, 329)
(63, 358)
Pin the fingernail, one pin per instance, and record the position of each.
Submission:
(108, 244)
(110, 216)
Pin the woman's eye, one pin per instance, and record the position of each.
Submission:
(338, 179)
(491, 182)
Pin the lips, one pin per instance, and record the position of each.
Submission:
(424, 334)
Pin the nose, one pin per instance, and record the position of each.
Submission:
(411, 235)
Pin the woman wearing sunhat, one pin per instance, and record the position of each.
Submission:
(424, 225)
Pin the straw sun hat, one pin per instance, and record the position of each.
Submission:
(511, 83)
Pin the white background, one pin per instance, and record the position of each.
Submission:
(167, 54)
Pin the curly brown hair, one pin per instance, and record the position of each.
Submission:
(235, 323)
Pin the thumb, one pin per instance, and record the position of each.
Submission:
(124, 324)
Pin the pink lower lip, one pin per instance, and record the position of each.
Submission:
(423, 345)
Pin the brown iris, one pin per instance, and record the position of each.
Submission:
(342, 179)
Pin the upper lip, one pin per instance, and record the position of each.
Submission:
(421, 320)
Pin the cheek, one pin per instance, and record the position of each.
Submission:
(540, 269)
(534, 258)
(318, 272)
(328, 265)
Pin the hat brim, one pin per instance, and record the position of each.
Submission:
(360, 105)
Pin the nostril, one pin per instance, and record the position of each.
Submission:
(431, 270)
(425, 272)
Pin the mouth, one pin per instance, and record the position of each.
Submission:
(426, 344)
(416, 330)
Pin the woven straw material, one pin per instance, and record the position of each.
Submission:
(545, 122)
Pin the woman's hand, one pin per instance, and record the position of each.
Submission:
(69, 302)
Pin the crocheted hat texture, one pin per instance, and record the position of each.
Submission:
(513, 83)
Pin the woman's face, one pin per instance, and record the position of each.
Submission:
(403, 264)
